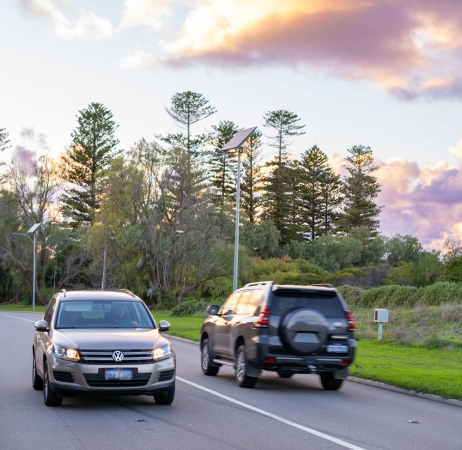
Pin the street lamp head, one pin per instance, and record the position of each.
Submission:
(238, 140)
(34, 228)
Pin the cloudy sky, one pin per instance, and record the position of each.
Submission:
(381, 73)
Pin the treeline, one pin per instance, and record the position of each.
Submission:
(158, 218)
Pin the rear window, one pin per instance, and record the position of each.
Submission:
(329, 304)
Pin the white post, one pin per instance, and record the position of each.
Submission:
(34, 281)
(236, 234)
(380, 330)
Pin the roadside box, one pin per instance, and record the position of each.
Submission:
(381, 315)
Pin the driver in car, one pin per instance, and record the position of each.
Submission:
(119, 315)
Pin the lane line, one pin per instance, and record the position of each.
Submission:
(19, 318)
(273, 416)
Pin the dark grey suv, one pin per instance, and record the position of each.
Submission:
(284, 329)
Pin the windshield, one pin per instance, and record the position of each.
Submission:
(103, 314)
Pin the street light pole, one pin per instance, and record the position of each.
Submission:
(33, 230)
(236, 143)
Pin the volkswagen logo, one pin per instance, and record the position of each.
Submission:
(117, 356)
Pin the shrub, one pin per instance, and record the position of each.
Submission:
(189, 307)
(388, 296)
(351, 294)
(442, 292)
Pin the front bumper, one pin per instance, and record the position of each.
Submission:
(76, 378)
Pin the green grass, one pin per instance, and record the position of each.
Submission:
(187, 327)
(21, 308)
(420, 369)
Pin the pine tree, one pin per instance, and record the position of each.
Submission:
(222, 177)
(187, 109)
(4, 141)
(277, 203)
(93, 146)
(360, 190)
(252, 177)
(320, 193)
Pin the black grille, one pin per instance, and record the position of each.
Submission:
(105, 356)
(96, 381)
(65, 377)
(166, 375)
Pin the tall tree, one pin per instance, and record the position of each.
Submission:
(252, 177)
(360, 190)
(286, 125)
(222, 177)
(320, 193)
(93, 146)
(277, 204)
(187, 109)
(4, 141)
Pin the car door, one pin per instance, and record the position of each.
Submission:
(42, 337)
(220, 337)
(234, 323)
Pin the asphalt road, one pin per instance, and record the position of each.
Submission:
(212, 412)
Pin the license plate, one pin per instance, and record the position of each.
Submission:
(118, 374)
(337, 348)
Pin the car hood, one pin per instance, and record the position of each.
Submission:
(109, 339)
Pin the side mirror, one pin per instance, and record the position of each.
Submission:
(164, 325)
(41, 325)
(212, 310)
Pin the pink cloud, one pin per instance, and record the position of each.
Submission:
(425, 202)
(412, 48)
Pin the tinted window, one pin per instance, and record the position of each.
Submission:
(102, 314)
(327, 304)
(242, 306)
(49, 311)
(229, 305)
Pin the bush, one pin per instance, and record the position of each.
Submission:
(348, 276)
(351, 294)
(442, 292)
(389, 296)
(189, 307)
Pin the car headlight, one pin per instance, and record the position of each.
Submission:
(163, 352)
(70, 354)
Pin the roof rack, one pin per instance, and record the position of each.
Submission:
(127, 292)
(259, 283)
(323, 285)
(64, 292)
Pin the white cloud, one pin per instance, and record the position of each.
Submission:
(87, 24)
(138, 59)
(149, 13)
(457, 150)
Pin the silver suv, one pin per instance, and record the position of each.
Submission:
(285, 329)
(101, 342)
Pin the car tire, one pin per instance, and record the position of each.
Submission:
(165, 398)
(329, 383)
(206, 357)
(49, 397)
(285, 374)
(243, 380)
(37, 382)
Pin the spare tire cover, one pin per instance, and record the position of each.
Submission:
(303, 331)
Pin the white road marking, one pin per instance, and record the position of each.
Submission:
(20, 318)
(273, 416)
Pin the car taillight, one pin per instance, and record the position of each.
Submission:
(263, 318)
(350, 320)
